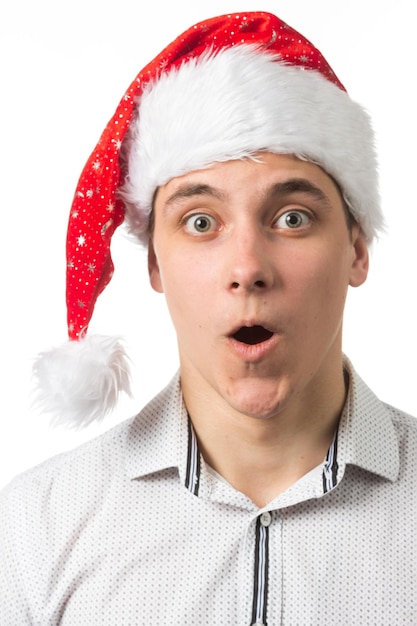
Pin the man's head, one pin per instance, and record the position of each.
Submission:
(227, 89)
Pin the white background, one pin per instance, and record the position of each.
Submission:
(65, 66)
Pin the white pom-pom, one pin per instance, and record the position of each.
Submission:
(80, 381)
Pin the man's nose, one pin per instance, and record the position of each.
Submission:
(249, 266)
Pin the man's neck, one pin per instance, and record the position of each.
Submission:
(263, 457)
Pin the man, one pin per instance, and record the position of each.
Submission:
(266, 484)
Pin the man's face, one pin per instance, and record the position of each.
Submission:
(255, 259)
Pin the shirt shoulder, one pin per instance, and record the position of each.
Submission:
(405, 426)
(99, 452)
(87, 472)
(401, 418)
(49, 509)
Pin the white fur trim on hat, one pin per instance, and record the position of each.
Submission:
(243, 100)
(80, 381)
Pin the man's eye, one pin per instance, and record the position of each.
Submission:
(293, 219)
(200, 224)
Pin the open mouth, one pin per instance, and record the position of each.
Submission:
(252, 335)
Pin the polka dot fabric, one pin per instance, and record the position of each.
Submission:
(109, 534)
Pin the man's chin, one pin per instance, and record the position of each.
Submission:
(258, 398)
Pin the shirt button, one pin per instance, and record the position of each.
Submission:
(266, 519)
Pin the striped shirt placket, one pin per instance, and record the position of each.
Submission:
(260, 583)
(192, 477)
(330, 467)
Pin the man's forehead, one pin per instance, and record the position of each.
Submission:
(286, 175)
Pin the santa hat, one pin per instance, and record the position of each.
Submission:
(227, 88)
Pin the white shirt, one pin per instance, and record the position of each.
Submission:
(133, 528)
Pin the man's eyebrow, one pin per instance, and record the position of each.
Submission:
(299, 185)
(282, 188)
(189, 190)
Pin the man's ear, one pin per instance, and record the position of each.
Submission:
(153, 268)
(360, 260)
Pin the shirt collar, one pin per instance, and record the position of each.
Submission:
(157, 438)
(367, 436)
